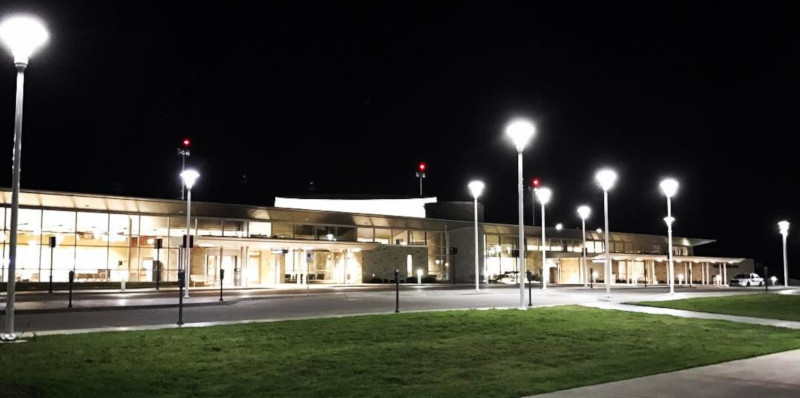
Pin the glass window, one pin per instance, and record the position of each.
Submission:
(532, 244)
(177, 226)
(366, 234)
(258, 229)
(383, 236)
(399, 237)
(346, 234)
(234, 228)
(92, 229)
(303, 231)
(209, 227)
(282, 230)
(325, 232)
(417, 238)
(153, 226)
(121, 227)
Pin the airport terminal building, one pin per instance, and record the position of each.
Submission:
(114, 238)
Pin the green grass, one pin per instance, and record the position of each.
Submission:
(773, 306)
(499, 353)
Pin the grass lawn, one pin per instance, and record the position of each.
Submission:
(499, 353)
(773, 306)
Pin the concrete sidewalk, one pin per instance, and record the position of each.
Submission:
(693, 314)
(773, 376)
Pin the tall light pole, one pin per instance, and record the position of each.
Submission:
(784, 228)
(476, 188)
(534, 187)
(544, 195)
(583, 213)
(189, 177)
(669, 187)
(184, 153)
(421, 175)
(520, 131)
(606, 178)
(22, 35)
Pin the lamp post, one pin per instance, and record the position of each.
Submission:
(606, 178)
(520, 131)
(583, 213)
(189, 177)
(544, 195)
(669, 187)
(22, 35)
(421, 176)
(784, 228)
(476, 188)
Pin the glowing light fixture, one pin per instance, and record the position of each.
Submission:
(23, 35)
(520, 131)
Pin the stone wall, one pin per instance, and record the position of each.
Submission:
(383, 260)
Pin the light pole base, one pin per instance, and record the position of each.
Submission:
(8, 337)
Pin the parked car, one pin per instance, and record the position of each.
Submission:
(747, 280)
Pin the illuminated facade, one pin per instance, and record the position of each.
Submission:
(109, 239)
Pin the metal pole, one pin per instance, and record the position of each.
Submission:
(50, 289)
(188, 262)
(420, 185)
(16, 155)
(533, 208)
(521, 233)
(477, 270)
(181, 282)
(785, 264)
(396, 291)
(158, 262)
(608, 252)
(545, 270)
(71, 279)
(183, 168)
(221, 278)
(583, 225)
(530, 296)
(669, 234)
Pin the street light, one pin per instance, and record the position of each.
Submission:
(520, 131)
(544, 195)
(189, 177)
(784, 228)
(583, 213)
(22, 35)
(476, 188)
(606, 178)
(669, 187)
(559, 227)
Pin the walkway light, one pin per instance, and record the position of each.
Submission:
(583, 213)
(544, 195)
(783, 226)
(670, 187)
(476, 189)
(559, 227)
(520, 131)
(22, 35)
(606, 178)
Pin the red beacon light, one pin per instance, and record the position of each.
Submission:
(186, 142)
(535, 182)
(422, 167)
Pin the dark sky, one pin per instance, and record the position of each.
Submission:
(352, 96)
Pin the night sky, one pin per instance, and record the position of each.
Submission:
(352, 96)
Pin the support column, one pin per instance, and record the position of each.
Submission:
(653, 271)
(691, 275)
(685, 273)
(725, 274)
